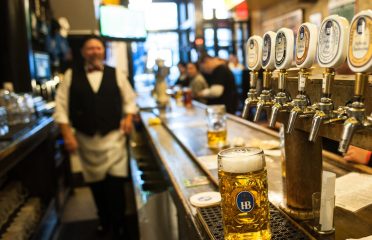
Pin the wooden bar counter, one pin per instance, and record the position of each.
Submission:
(181, 138)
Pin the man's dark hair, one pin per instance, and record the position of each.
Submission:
(90, 37)
(195, 64)
(182, 63)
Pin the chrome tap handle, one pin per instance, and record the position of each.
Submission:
(282, 79)
(350, 126)
(292, 118)
(253, 76)
(303, 75)
(258, 112)
(274, 114)
(315, 125)
(334, 120)
(327, 82)
(339, 115)
(267, 74)
(251, 99)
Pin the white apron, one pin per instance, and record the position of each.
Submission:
(102, 155)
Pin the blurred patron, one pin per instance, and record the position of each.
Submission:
(197, 81)
(222, 88)
(234, 63)
(182, 81)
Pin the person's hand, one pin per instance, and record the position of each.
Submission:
(126, 124)
(357, 155)
(71, 143)
(69, 138)
(199, 94)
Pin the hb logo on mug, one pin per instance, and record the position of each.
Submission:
(245, 201)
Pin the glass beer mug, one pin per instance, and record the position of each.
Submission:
(243, 185)
(216, 126)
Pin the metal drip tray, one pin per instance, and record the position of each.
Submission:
(281, 227)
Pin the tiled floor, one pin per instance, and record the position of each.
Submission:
(79, 220)
(80, 206)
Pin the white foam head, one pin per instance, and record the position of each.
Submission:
(241, 160)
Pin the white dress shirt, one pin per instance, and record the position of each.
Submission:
(99, 155)
(215, 91)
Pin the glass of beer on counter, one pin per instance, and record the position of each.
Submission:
(243, 185)
(216, 126)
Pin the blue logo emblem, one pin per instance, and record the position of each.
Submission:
(245, 201)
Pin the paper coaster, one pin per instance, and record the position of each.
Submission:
(205, 199)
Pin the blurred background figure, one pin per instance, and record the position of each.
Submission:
(197, 81)
(182, 81)
(238, 71)
(222, 88)
(57, 45)
(234, 63)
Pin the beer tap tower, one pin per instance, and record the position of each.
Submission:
(268, 63)
(360, 62)
(306, 43)
(332, 49)
(284, 43)
(254, 51)
(303, 163)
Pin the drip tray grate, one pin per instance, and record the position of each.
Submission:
(281, 227)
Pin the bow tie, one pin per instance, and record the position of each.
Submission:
(94, 68)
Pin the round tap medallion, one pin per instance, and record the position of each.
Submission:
(266, 50)
(360, 50)
(280, 48)
(329, 39)
(302, 48)
(252, 53)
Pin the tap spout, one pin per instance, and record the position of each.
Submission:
(293, 115)
(248, 104)
(350, 126)
(274, 114)
(258, 111)
(315, 126)
(356, 113)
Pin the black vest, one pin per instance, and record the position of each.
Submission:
(91, 112)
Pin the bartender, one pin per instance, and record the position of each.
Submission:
(98, 102)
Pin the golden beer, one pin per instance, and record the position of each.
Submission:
(243, 185)
(217, 130)
(216, 138)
